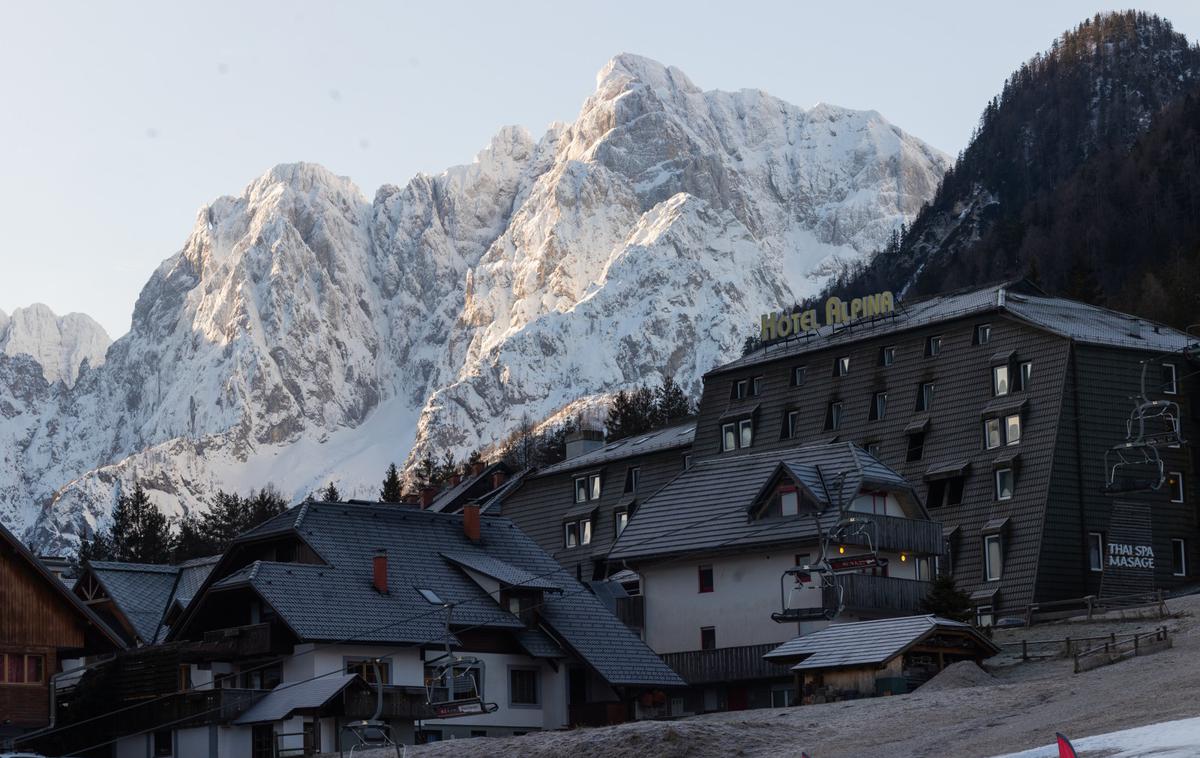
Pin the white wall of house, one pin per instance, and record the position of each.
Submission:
(232, 740)
(883, 504)
(746, 591)
(136, 746)
(193, 742)
(550, 713)
(305, 662)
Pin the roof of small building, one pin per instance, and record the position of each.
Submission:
(452, 498)
(336, 600)
(143, 592)
(676, 435)
(280, 702)
(705, 507)
(865, 643)
(57, 587)
(1068, 318)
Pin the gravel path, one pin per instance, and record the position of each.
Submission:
(1021, 709)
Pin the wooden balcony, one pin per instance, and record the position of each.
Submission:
(903, 534)
(237, 642)
(631, 611)
(405, 703)
(882, 595)
(726, 664)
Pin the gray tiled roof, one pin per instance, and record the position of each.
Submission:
(507, 574)
(1078, 321)
(679, 434)
(336, 601)
(448, 498)
(538, 644)
(866, 642)
(705, 507)
(285, 698)
(143, 592)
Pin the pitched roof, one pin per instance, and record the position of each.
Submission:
(89, 617)
(144, 592)
(705, 507)
(679, 434)
(280, 702)
(1068, 318)
(336, 601)
(451, 498)
(868, 642)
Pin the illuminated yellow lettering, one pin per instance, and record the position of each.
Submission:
(833, 311)
(886, 303)
(783, 325)
(768, 327)
(856, 307)
(808, 320)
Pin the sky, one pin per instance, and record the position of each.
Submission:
(119, 121)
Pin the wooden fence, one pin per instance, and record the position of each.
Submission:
(1118, 650)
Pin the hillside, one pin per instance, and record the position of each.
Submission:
(1080, 173)
(305, 333)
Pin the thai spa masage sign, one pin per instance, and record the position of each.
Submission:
(1130, 556)
(837, 311)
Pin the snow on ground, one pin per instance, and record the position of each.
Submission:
(1021, 710)
(1170, 739)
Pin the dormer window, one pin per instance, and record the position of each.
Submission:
(798, 375)
(983, 334)
(841, 366)
(787, 501)
(746, 432)
(632, 474)
(933, 346)
(1000, 383)
(587, 488)
(756, 386)
(740, 390)
(887, 355)
(833, 416)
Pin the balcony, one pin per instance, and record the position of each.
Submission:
(237, 642)
(726, 664)
(903, 534)
(882, 595)
(631, 611)
(405, 703)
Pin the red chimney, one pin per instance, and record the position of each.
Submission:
(455, 480)
(497, 479)
(427, 494)
(477, 468)
(471, 522)
(379, 572)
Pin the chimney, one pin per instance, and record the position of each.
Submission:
(427, 494)
(477, 468)
(379, 572)
(584, 441)
(471, 522)
(497, 479)
(455, 480)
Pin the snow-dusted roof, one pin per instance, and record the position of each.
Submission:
(868, 642)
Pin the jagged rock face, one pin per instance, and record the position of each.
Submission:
(304, 334)
(59, 344)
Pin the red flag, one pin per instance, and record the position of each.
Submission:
(1064, 747)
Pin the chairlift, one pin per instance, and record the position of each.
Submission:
(452, 690)
(805, 578)
(373, 733)
(1151, 426)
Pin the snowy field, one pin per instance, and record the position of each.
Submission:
(1172, 739)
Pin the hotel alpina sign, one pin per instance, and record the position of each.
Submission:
(837, 311)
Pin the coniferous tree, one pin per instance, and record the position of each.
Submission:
(140, 532)
(618, 414)
(330, 494)
(392, 490)
(262, 506)
(671, 403)
(426, 471)
(945, 599)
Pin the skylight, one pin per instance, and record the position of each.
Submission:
(431, 596)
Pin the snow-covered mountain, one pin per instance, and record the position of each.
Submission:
(306, 334)
(60, 344)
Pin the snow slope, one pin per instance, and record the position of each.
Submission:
(305, 333)
(60, 344)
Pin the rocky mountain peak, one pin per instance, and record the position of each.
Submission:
(59, 344)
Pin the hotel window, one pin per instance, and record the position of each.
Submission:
(798, 375)
(366, 668)
(594, 486)
(925, 396)
(791, 424)
(782, 696)
(887, 355)
(1024, 371)
(833, 416)
(1169, 383)
(585, 532)
(632, 474)
(18, 668)
(993, 557)
(916, 446)
(756, 386)
(983, 334)
(708, 638)
(1000, 385)
(947, 491)
(789, 501)
(933, 346)
(878, 406)
(1095, 551)
(1004, 484)
(841, 366)
(1178, 558)
(622, 520)
(740, 389)
(728, 437)
(746, 432)
(1175, 486)
(581, 489)
(1012, 429)
(874, 448)
(587, 488)
(992, 437)
(571, 534)
(705, 574)
(523, 687)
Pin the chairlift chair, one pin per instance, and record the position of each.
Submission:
(373, 733)
(452, 691)
(805, 577)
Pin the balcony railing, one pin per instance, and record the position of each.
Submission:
(631, 611)
(726, 664)
(406, 703)
(903, 534)
(882, 594)
(237, 642)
